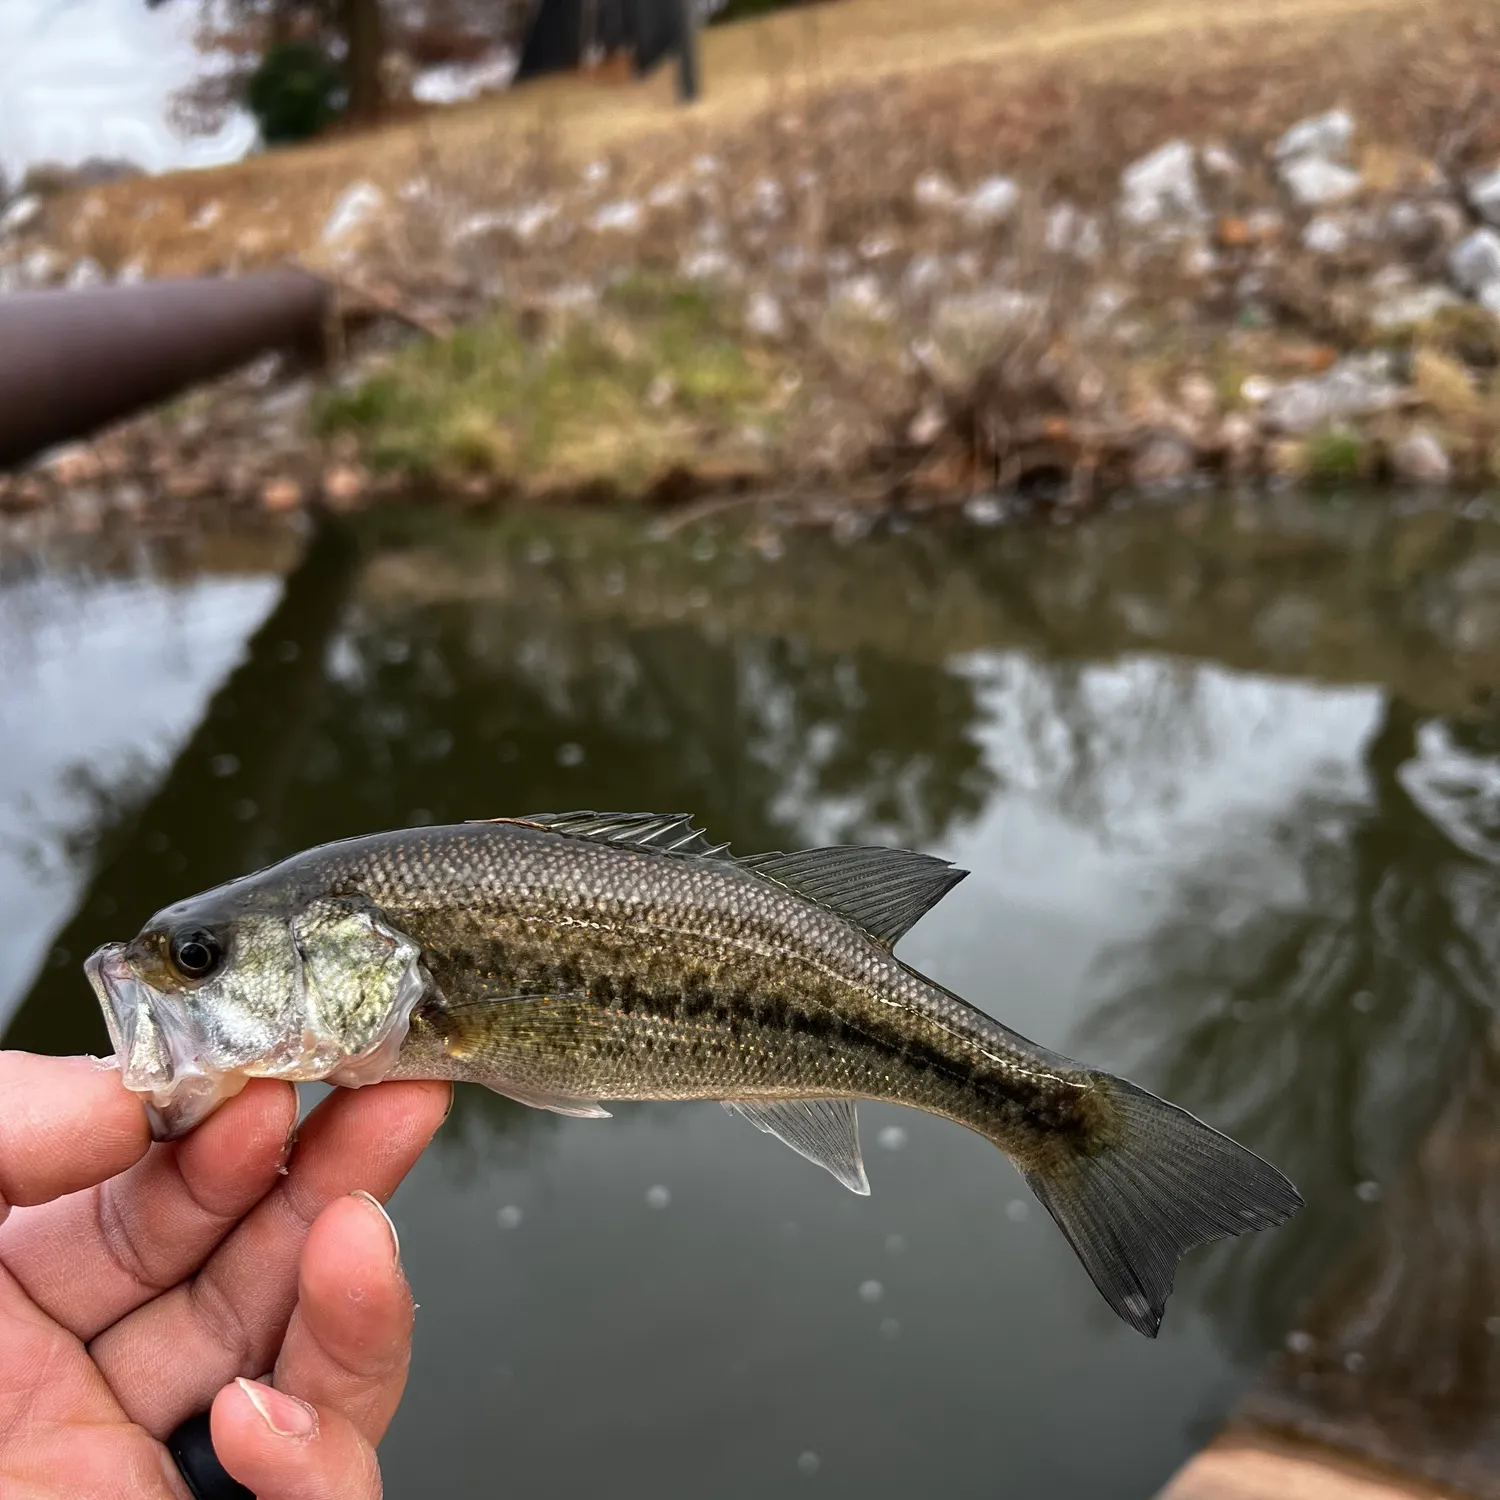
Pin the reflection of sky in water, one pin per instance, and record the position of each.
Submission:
(108, 678)
(698, 1293)
(82, 78)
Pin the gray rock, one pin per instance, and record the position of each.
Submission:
(1474, 263)
(1315, 183)
(1419, 459)
(1327, 136)
(1164, 463)
(1356, 387)
(1161, 187)
(1483, 193)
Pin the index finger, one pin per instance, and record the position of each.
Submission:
(66, 1123)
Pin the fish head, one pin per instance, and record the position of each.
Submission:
(240, 984)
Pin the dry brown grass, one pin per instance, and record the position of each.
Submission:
(1066, 88)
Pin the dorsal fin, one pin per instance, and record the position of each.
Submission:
(883, 891)
(668, 833)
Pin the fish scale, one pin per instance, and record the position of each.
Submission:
(569, 960)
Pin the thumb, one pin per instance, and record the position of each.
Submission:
(284, 1449)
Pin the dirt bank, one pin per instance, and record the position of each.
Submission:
(1126, 249)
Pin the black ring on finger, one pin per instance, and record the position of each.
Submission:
(192, 1450)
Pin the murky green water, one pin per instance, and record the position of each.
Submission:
(1229, 783)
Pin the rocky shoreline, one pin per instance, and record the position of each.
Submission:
(850, 299)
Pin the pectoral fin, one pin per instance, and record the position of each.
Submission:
(559, 1104)
(825, 1131)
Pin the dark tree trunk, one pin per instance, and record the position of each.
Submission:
(363, 27)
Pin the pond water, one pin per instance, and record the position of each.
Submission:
(1228, 780)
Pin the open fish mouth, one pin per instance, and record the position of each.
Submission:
(154, 1044)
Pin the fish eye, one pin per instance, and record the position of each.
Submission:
(195, 954)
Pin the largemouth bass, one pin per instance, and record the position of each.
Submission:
(567, 960)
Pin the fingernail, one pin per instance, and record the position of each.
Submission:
(108, 1064)
(285, 1415)
(287, 1145)
(375, 1203)
(451, 1092)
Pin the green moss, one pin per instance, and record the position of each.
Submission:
(1334, 456)
(651, 379)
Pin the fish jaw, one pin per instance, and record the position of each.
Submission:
(156, 1049)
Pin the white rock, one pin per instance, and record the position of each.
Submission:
(933, 190)
(1411, 307)
(924, 275)
(1161, 186)
(876, 246)
(86, 272)
(666, 194)
(1489, 298)
(624, 216)
(1314, 182)
(924, 429)
(474, 226)
(352, 212)
(1073, 232)
(208, 215)
(1199, 260)
(707, 165)
(596, 172)
(1326, 235)
(41, 267)
(764, 317)
(1419, 459)
(992, 202)
(21, 214)
(1217, 161)
(709, 264)
(1483, 193)
(768, 199)
(530, 219)
(131, 273)
(1327, 135)
(1474, 263)
(863, 297)
(1257, 389)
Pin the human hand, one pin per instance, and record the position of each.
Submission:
(140, 1282)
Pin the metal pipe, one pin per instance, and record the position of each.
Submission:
(73, 361)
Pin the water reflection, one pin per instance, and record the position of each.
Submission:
(1228, 782)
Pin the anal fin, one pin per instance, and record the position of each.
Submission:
(825, 1131)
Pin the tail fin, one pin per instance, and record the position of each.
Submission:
(1166, 1183)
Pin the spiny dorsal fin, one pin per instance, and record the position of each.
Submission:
(883, 891)
(668, 833)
